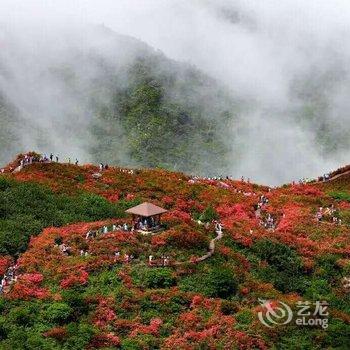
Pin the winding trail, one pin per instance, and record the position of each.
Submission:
(211, 251)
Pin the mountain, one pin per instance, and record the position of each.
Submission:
(9, 125)
(113, 99)
(280, 249)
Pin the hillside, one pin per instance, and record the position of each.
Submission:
(70, 290)
(112, 98)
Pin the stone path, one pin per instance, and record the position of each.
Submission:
(211, 251)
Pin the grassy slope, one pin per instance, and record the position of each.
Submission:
(75, 302)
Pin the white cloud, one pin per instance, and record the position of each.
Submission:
(256, 47)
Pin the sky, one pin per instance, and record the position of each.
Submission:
(258, 48)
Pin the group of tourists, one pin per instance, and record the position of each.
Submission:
(146, 223)
(163, 261)
(65, 249)
(195, 178)
(328, 212)
(326, 177)
(304, 181)
(268, 222)
(104, 230)
(263, 200)
(127, 171)
(91, 234)
(9, 277)
(103, 167)
(126, 258)
(31, 159)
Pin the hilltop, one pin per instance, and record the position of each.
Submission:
(287, 244)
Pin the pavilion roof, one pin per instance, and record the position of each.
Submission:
(146, 209)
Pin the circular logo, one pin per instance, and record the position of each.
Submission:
(274, 313)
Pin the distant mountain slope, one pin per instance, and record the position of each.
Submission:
(168, 115)
(9, 127)
(112, 98)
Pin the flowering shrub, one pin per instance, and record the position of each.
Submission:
(183, 236)
(152, 328)
(79, 277)
(5, 263)
(58, 333)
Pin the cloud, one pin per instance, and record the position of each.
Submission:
(263, 50)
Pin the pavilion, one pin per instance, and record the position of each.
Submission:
(146, 217)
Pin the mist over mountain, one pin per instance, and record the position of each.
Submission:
(99, 96)
(227, 87)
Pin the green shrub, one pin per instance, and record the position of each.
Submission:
(222, 282)
(208, 215)
(229, 307)
(285, 266)
(58, 313)
(158, 278)
(278, 255)
(245, 317)
(219, 282)
(342, 196)
(26, 208)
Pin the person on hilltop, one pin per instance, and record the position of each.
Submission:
(51, 157)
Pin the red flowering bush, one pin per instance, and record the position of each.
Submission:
(307, 190)
(27, 287)
(105, 340)
(58, 333)
(176, 217)
(34, 278)
(152, 328)
(293, 214)
(184, 236)
(5, 263)
(79, 277)
(105, 313)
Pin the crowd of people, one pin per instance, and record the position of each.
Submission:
(104, 230)
(195, 178)
(146, 224)
(163, 261)
(263, 201)
(329, 212)
(103, 167)
(127, 258)
(91, 234)
(268, 222)
(9, 277)
(51, 158)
